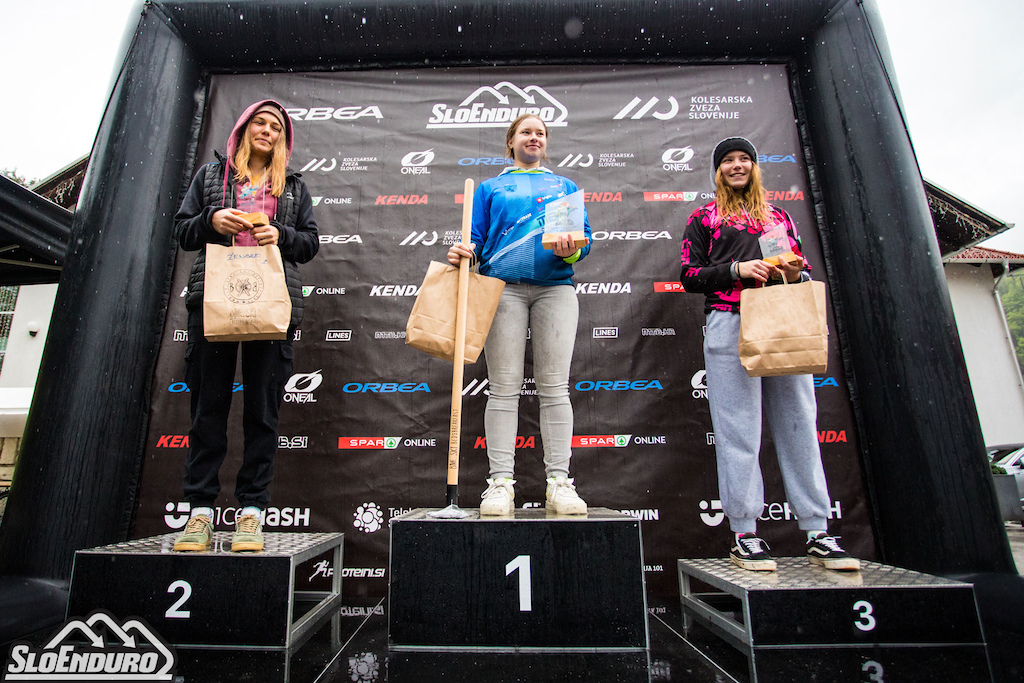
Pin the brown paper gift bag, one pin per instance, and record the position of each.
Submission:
(783, 330)
(431, 326)
(245, 296)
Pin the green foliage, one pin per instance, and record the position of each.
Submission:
(13, 174)
(1011, 292)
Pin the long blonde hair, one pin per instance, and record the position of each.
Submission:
(276, 168)
(750, 199)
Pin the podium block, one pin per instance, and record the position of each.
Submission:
(215, 599)
(883, 621)
(532, 581)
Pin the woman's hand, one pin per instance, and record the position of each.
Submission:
(459, 251)
(266, 235)
(791, 271)
(756, 269)
(564, 246)
(228, 222)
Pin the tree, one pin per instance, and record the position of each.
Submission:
(13, 174)
(1011, 292)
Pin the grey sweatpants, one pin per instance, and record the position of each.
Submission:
(736, 401)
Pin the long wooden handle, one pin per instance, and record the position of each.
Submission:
(458, 361)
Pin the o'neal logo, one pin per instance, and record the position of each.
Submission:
(415, 163)
(136, 653)
(496, 106)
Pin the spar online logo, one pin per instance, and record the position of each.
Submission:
(368, 518)
(135, 653)
(496, 106)
(416, 163)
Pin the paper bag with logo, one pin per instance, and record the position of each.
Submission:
(783, 330)
(245, 296)
(431, 326)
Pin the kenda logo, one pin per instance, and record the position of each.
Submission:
(668, 287)
(591, 197)
(328, 201)
(338, 335)
(631, 235)
(331, 113)
(784, 196)
(341, 239)
(521, 442)
(602, 441)
(322, 291)
(663, 111)
(711, 512)
(699, 383)
(137, 654)
(498, 105)
(775, 158)
(385, 388)
(670, 196)
(577, 161)
(423, 239)
(182, 388)
(415, 163)
(388, 443)
(603, 288)
(619, 385)
(832, 436)
(292, 442)
(368, 519)
(300, 387)
(825, 382)
(677, 159)
(394, 290)
(326, 165)
(400, 199)
(606, 333)
(172, 441)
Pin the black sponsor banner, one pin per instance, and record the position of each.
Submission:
(365, 418)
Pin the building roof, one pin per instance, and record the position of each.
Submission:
(997, 259)
(958, 224)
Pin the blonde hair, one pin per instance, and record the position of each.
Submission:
(514, 126)
(276, 168)
(750, 199)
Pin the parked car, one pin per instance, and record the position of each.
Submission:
(996, 453)
(1012, 462)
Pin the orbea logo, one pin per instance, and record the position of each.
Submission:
(670, 196)
(137, 653)
(415, 163)
(389, 443)
(775, 158)
(498, 105)
(328, 113)
(603, 441)
(619, 385)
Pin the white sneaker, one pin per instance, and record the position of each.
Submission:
(561, 497)
(499, 498)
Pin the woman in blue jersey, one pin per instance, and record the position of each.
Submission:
(508, 221)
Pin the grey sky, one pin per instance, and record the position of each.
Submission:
(958, 66)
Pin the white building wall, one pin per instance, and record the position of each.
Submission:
(32, 312)
(995, 378)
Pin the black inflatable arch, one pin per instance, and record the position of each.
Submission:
(921, 445)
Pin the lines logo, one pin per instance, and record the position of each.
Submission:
(677, 159)
(577, 161)
(606, 333)
(666, 111)
(420, 238)
(338, 335)
(498, 105)
(137, 653)
(415, 163)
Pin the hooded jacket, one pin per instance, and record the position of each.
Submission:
(214, 188)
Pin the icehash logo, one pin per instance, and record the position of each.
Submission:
(173, 521)
(136, 653)
(712, 514)
(363, 667)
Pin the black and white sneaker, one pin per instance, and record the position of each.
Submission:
(825, 551)
(750, 552)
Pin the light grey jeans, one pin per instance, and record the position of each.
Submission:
(551, 314)
(735, 400)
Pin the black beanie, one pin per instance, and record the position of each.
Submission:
(731, 145)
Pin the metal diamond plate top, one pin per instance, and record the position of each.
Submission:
(276, 545)
(538, 514)
(796, 573)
